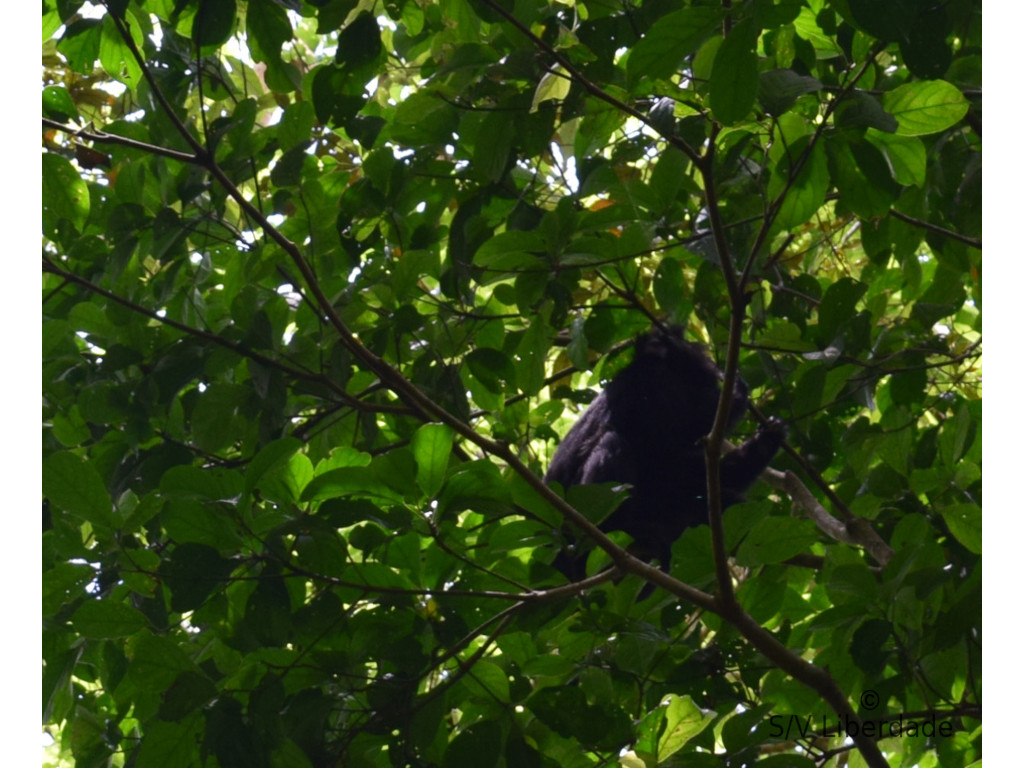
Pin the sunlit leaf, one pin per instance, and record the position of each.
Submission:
(675, 36)
(925, 107)
(65, 195)
(553, 86)
(431, 445)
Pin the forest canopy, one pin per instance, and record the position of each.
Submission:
(325, 284)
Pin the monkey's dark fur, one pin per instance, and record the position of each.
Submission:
(646, 429)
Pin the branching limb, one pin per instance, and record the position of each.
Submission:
(855, 530)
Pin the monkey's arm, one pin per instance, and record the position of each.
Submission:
(740, 467)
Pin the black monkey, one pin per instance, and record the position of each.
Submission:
(646, 429)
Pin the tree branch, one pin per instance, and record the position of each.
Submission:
(974, 242)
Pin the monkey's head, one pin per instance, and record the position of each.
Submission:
(678, 383)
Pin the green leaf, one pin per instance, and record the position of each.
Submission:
(519, 754)
(497, 249)
(63, 583)
(597, 501)
(156, 661)
(920, 28)
(65, 195)
(170, 745)
(432, 447)
(868, 649)
(116, 56)
(106, 619)
(964, 521)
(527, 497)
(209, 483)
(349, 481)
(862, 177)
(803, 182)
(493, 147)
(778, 89)
(853, 585)
(80, 44)
(838, 306)
(489, 681)
(215, 421)
(553, 86)
(268, 610)
(532, 350)
(953, 437)
(271, 456)
(924, 107)
(476, 485)
(296, 125)
(578, 348)
(906, 155)
(669, 727)
(323, 553)
(231, 737)
(479, 746)
(908, 387)
(192, 573)
(776, 539)
(669, 176)
(75, 486)
(190, 520)
(57, 104)
(807, 27)
(566, 711)
(493, 368)
(359, 44)
(925, 49)
(884, 19)
(51, 20)
(423, 118)
(667, 43)
(734, 77)
(863, 110)
(267, 30)
(189, 691)
(214, 23)
(669, 285)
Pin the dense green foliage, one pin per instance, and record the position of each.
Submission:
(324, 281)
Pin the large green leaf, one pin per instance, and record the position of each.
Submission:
(668, 727)
(431, 445)
(676, 35)
(65, 195)
(98, 619)
(75, 486)
(734, 77)
(800, 182)
(925, 107)
(214, 22)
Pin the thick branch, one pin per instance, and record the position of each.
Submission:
(855, 531)
(100, 137)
